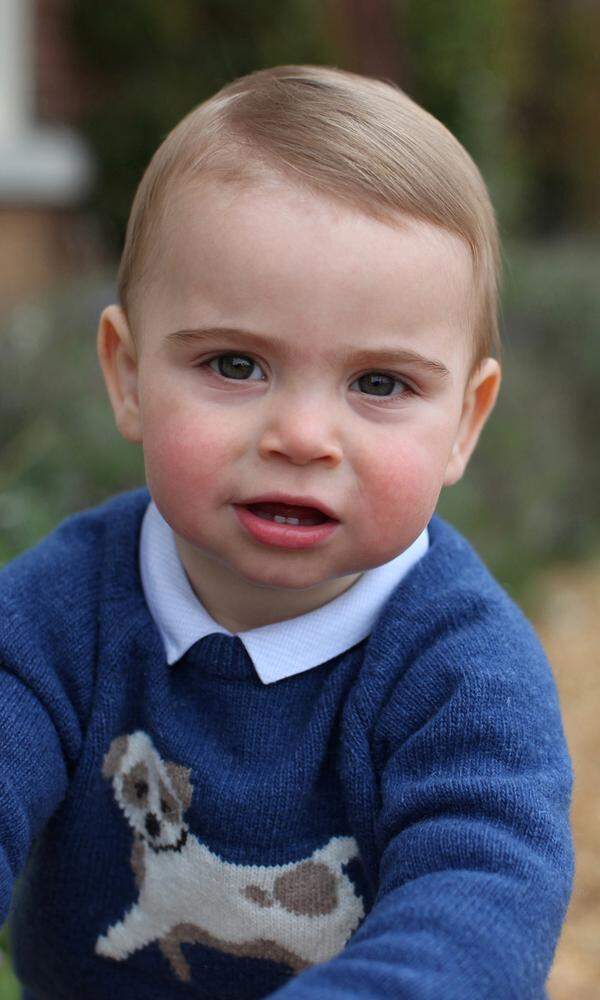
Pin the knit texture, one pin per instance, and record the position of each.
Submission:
(393, 823)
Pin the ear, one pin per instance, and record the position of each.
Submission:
(118, 358)
(112, 759)
(479, 399)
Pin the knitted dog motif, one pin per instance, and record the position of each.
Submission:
(299, 914)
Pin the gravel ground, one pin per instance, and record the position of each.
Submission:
(569, 626)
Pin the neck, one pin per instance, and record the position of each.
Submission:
(239, 605)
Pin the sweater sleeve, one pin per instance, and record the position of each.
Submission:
(39, 741)
(476, 857)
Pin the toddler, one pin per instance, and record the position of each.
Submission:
(269, 727)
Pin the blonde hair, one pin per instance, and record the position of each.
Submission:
(348, 137)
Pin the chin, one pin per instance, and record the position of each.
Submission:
(281, 579)
(282, 582)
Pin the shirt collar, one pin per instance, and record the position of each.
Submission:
(278, 650)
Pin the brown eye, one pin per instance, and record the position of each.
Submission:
(381, 385)
(164, 806)
(141, 788)
(235, 366)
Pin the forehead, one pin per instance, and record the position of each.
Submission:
(273, 254)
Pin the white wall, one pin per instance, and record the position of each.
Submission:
(15, 72)
(38, 164)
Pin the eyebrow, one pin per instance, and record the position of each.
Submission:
(383, 355)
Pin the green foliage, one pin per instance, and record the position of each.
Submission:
(9, 986)
(465, 69)
(57, 442)
(531, 496)
(518, 83)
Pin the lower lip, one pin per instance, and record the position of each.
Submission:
(285, 536)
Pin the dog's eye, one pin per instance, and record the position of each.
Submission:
(141, 788)
(164, 806)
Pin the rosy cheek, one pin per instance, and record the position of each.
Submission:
(403, 486)
(178, 450)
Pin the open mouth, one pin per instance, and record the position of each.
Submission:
(286, 525)
(288, 513)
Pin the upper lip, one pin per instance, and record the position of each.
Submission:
(292, 501)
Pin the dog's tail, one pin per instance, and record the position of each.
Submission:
(337, 852)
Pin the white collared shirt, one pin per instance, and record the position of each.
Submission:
(283, 648)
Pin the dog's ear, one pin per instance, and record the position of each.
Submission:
(116, 752)
(179, 777)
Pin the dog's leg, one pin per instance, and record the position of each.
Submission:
(170, 945)
(123, 938)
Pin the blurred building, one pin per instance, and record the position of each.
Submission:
(46, 170)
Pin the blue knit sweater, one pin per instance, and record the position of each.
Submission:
(391, 824)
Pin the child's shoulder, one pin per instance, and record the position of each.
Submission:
(65, 568)
(450, 598)
(450, 633)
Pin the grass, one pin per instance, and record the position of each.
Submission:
(9, 986)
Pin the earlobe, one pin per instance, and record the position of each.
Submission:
(118, 359)
(479, 400)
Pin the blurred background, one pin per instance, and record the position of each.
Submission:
(87, 92)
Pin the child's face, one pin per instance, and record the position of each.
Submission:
(318, 294)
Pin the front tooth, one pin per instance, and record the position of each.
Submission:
(285, 520)
(293, 520)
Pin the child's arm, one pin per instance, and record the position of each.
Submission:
(39, 741)
(476, 852)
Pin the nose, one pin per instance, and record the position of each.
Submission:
(302, 432)
(152, 825)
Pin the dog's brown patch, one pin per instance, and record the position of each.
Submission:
(169, 806)
(257, 895)
(135, 785)
(308, 889)
(112, 760)
(137, 861)
(179, 777)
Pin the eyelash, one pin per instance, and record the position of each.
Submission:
(409, 390)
